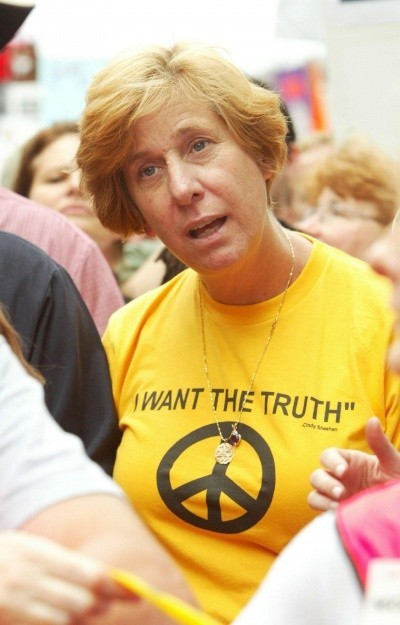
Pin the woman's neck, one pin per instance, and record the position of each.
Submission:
(265, 275)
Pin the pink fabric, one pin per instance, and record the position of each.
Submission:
(67, 245)
(369, 525)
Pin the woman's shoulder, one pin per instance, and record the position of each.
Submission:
(347, 270)
(166, 295)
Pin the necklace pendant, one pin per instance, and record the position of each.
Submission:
(234, 438)
(224, 453)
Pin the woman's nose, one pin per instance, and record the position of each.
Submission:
(184, 184)
(74, 180)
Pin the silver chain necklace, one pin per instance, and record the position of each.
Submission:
(225, 450)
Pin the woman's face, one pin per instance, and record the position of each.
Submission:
(196, 188)
(55, 186)
(348, 224)
(384, 257)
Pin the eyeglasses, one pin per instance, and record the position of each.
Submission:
(339, 211)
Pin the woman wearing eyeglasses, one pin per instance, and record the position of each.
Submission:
(355, 195)
(360, 530)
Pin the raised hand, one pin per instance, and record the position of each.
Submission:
(347, 471)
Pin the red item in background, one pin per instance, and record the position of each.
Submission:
(22, 61)
(18, 62)
(5, 71)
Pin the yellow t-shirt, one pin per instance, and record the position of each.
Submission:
(322, 376)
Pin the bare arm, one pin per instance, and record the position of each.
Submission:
(106, 528)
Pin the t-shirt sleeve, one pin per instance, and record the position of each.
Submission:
(40, 464)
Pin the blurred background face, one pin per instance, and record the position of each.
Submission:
(52, 184)
(55, 183)
(348, 224)
(384, 257)
(288, 195)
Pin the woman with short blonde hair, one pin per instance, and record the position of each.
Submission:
(354, 194)
(125, 92)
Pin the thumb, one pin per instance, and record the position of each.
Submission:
(387, 454)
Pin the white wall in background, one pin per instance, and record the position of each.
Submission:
(363, 69)
(103, 28)
(362, 39)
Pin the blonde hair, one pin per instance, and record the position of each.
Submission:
(133, 86)
(14, 340)
(358, 169)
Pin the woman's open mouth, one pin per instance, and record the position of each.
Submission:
(207, 229)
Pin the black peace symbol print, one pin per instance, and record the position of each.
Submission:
(217, 483)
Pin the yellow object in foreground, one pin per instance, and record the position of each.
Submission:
(177, 609)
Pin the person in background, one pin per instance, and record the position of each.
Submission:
(63, 522)
(217, 414)
(65, 243)
(45, 172)
(286, 191)
(60, 339)
(58, 331)
(160, 267)
(362, 493)
(291, 202)
(347, 471)
(282, 192)
(354, 194)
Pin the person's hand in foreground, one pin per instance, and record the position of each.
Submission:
(44, 583)
(347, 471)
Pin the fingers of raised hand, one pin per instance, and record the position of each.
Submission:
(334, 461)
(388, 456)
(320, 502)
(328, 490)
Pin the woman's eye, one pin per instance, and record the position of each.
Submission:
(55, 179)
(199, 145)
(146, 172)
(337, 210)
